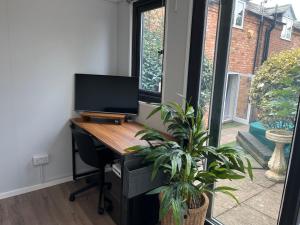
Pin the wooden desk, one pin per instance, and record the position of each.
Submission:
(126, 210)
(116, 137)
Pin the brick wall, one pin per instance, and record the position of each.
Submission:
(211, 29)
(242, 49)
(243, 41)
(277, 44)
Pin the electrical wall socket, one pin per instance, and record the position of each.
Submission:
(40, 159)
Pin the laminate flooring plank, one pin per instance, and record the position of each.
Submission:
(51, 206)
(4, 214)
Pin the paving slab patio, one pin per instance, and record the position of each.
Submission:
(259, 201)
(278, 188)
(259, 198)
(245, 215)
(230, 131)
(266, 202)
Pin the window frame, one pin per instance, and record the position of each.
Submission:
(138, 8)
(290, 205)
(284, 28)
(235, 15)
(199, 21)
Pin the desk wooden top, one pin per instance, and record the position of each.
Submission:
(116, 137)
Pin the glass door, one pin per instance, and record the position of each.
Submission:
(253, 108)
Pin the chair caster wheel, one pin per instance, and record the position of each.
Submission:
(71, 198)
(100, 211)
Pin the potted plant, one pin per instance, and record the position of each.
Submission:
(183, 199)
(275, 94)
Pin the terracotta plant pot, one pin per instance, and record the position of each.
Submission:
(194, 216)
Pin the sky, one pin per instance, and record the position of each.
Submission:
(294, 3)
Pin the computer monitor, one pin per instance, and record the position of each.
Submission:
(106, 94)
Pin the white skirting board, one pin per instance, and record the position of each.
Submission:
(24, 190)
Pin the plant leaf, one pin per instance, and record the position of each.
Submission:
(176, 209)
(136, 148)
(224, 188)
(230, 195)
(157, 190)
(249, 168)
(188, 164)
(154, 111)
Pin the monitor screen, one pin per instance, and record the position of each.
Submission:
(109, 94)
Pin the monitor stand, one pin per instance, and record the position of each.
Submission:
(117, 118)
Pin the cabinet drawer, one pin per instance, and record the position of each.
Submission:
(116, 184)
(113, 207)
(137, 178)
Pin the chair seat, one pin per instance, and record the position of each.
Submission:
(97, 143)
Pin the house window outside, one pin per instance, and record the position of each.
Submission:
(239, 14)
(287, 29)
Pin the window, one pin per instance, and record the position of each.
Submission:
(239, 14)
(287, 29)
(245, 128)
(148, 48)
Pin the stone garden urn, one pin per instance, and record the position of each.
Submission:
(277, 164)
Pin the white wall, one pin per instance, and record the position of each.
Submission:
(124, 38)
(43, 43)
(176, 51)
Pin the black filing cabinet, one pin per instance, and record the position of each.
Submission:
(125, 207)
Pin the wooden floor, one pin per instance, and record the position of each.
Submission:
(51, 206)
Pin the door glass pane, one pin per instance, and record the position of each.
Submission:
(231, 96)
(152, 42)
(208, 59)
(243, 98)
(260, 102)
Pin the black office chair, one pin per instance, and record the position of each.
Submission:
(96, 156)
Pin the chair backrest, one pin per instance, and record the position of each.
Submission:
(86, 148)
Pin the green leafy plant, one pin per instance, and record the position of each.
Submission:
(182, 160)
(275, 90)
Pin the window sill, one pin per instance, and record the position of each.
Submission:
(149, 97)
(285, 39)
(148, 103)
(212, 221)
(238, 27)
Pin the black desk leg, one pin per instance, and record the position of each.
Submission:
(123, 207)
(74, 159)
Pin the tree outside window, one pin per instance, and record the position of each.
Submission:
(152, 49)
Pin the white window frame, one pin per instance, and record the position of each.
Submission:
(235, 117)
(283, 35)
(235, 14)
(225, 93)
